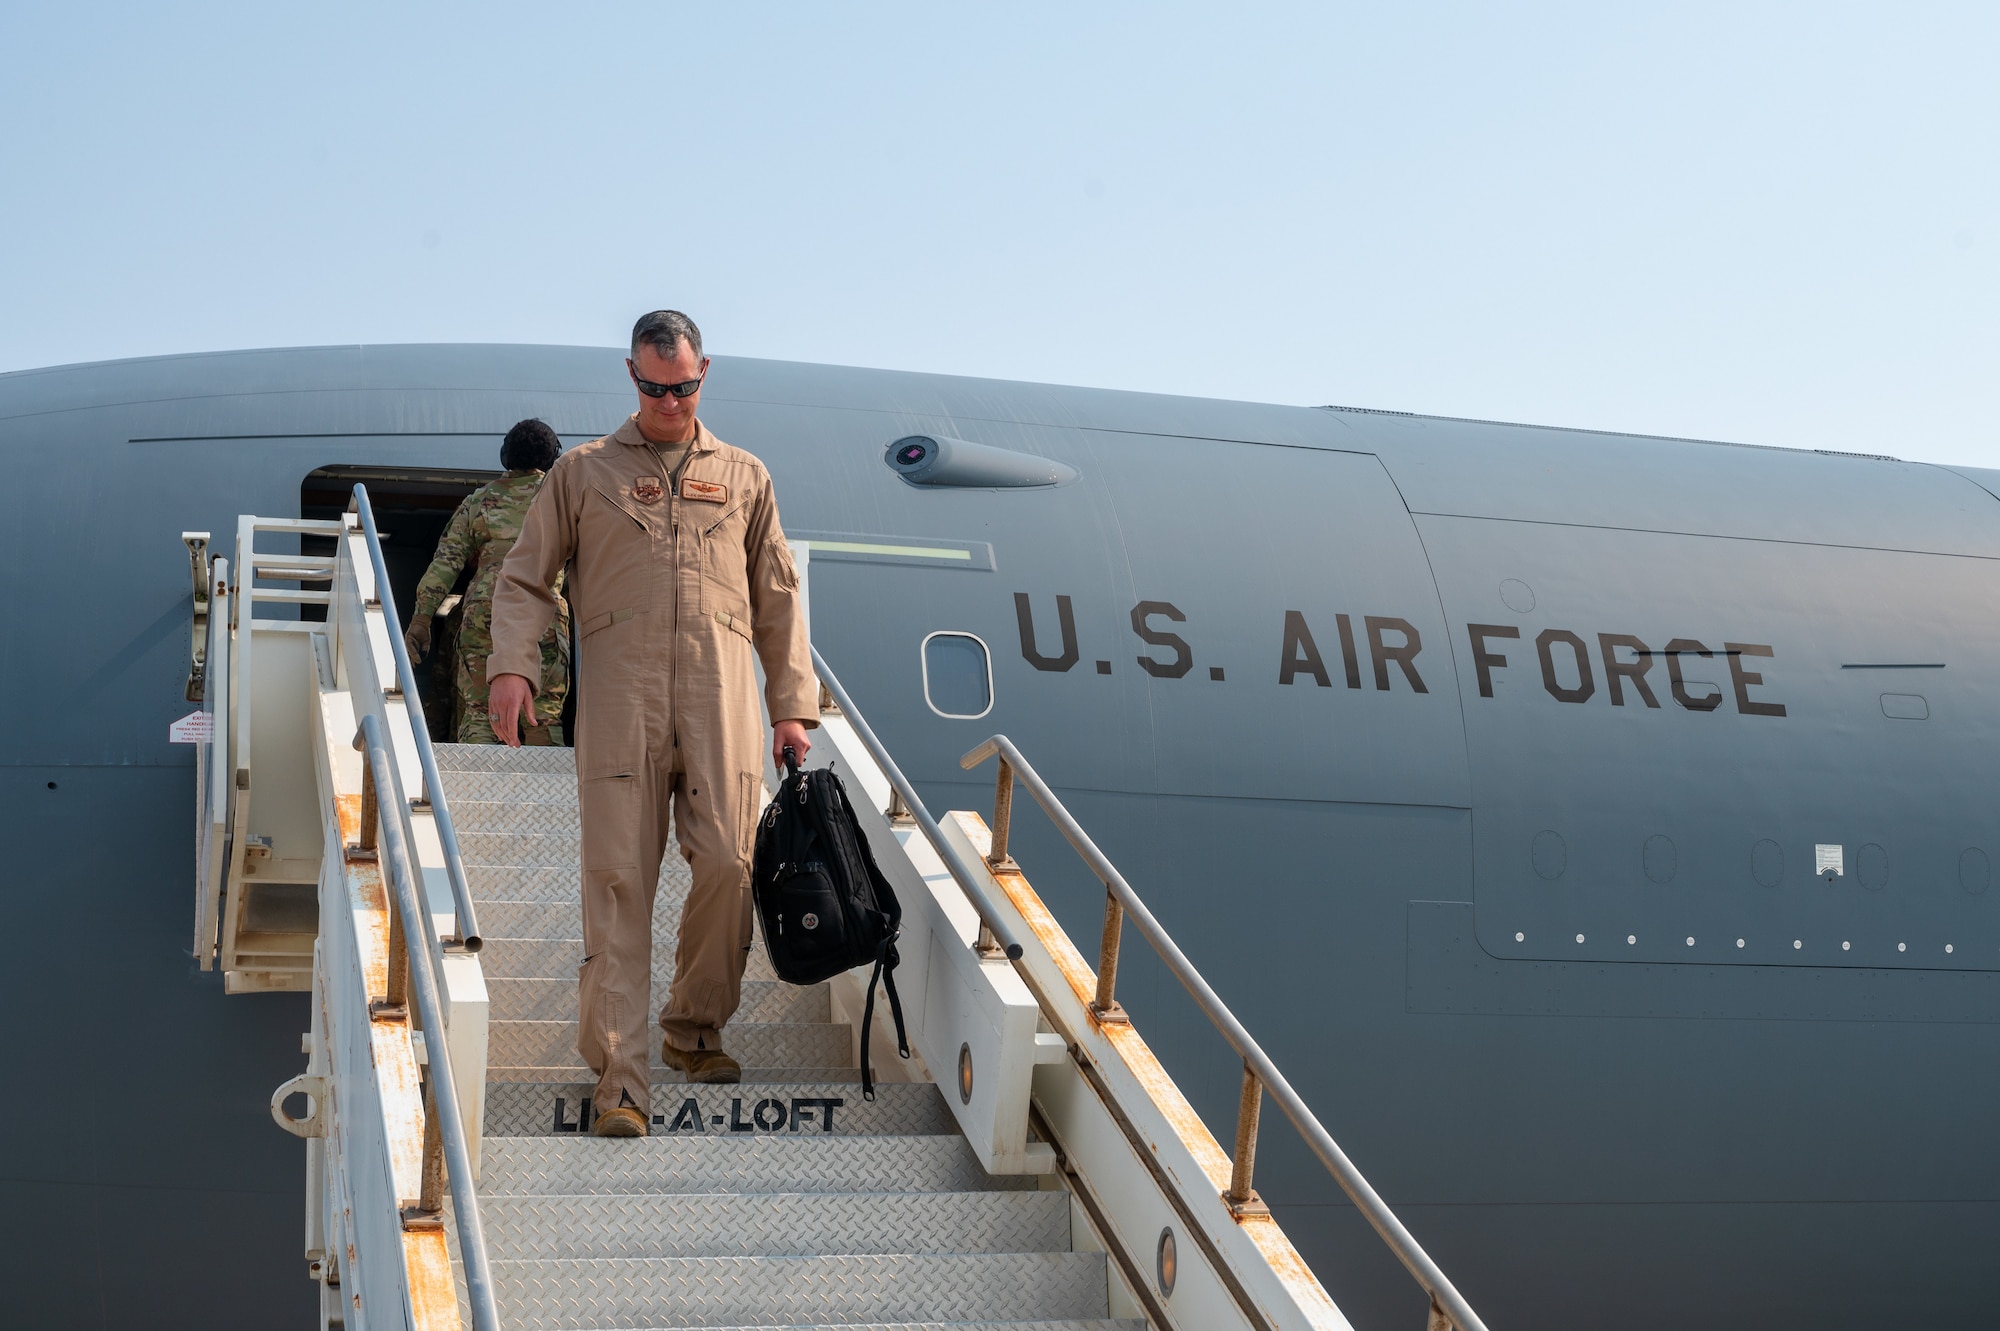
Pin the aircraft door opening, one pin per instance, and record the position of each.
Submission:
(413, 505)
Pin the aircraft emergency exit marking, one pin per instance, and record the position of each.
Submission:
(1569, 665)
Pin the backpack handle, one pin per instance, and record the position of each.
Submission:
(791, 761)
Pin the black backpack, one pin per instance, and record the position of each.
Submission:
(824, 905)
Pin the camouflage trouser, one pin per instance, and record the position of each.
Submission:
(469, 714)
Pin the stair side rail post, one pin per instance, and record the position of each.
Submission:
(465, 933)
(1260, 1074)
(443, 1122)
(967, 1009)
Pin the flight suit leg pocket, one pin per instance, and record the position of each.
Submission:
(611, 716)
(706, 1005)
(612, 826)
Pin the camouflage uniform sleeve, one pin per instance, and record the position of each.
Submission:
(454, 548)
(778, 620)
(524, 601)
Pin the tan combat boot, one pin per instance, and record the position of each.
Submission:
(624, 1121)
(702, 1065)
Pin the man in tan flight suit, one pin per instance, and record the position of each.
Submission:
(678, 570)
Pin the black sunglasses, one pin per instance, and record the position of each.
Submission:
(685, 388)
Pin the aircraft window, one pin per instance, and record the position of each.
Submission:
(958, 675)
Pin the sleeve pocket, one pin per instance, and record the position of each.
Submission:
(783, 571)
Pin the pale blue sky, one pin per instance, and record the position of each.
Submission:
(1778, 224)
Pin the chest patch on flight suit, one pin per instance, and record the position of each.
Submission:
(709, 491)
(648, 490)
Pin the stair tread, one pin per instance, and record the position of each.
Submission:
(682, 1164)
(500, 758)
(775, 1224)
(537, 998)
(1088, 1324)
(755, 1213)
(780, 1044)
(463, 787)
(724, 1291)
(543, 1073)
(559, 958)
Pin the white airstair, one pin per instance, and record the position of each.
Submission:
(1037, 1170)
(787, 1200)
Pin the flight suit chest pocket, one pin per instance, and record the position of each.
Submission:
(725, 572)
(620, 515)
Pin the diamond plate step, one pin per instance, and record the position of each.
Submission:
(519, 850)
(561, 922)
(778, 1224)
(527, 919)
(500, 758)
(555, 1000)
(904, 1109)
(1089, 1324)
(517, 1076)
(484, 852)
(558, 958)
(492, 883)
(502, 817)
(508, 788)
(602, 1167)
(802, 1045)
(733, 1291)
(563, 918)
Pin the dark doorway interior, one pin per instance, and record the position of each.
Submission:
(412, 506)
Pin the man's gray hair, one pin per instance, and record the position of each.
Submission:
(664, 331)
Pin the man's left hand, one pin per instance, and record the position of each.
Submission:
(792, 735)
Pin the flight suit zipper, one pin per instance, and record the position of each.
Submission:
(672, 478)
(674, 572)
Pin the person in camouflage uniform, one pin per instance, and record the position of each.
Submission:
(481, 533)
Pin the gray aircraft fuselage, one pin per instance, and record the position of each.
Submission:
(1496, 776)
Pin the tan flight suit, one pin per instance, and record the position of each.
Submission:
(672, 586)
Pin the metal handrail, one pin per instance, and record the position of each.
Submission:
(1259, 1072)
(466, 919)
(444, 1115)
(992, 927)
